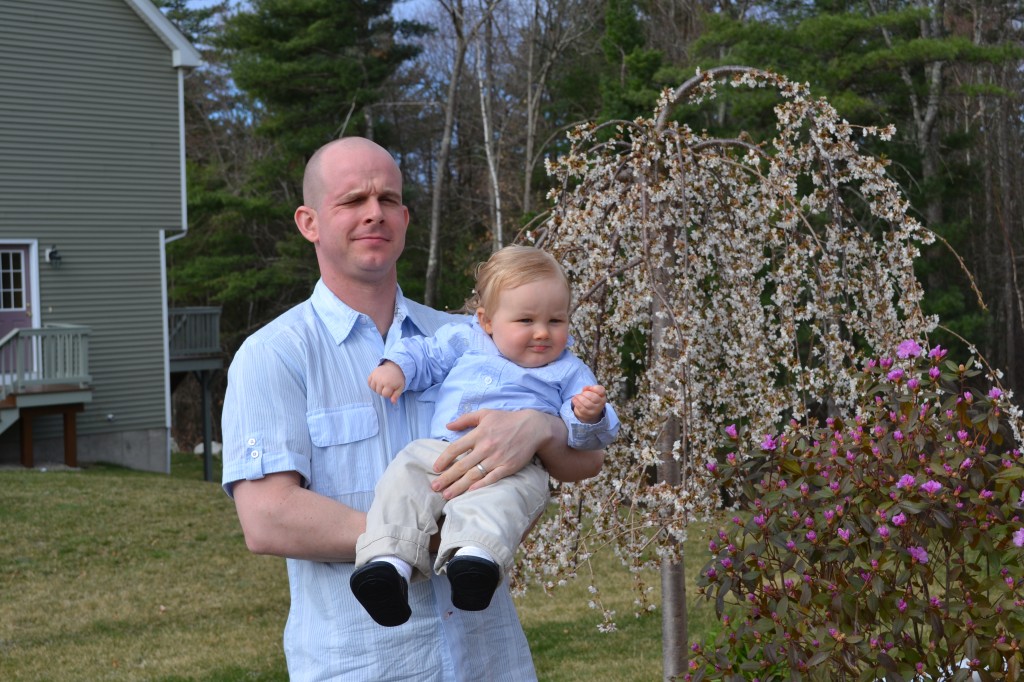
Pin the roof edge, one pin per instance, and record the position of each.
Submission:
(183, 54)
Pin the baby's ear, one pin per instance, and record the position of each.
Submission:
(485, 322)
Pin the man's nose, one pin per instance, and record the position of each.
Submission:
(374, 212)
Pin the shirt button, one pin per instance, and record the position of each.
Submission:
(254, 454)
(487, 380)
(251, 441)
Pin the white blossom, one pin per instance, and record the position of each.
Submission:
(713, 286)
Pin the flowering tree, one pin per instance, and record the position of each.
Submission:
(718, 279)
(884, 544)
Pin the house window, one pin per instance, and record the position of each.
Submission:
(12, 280)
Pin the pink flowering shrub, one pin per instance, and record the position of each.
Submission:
(886, 544)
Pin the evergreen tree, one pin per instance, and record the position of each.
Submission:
(281, 78)
(315, 67)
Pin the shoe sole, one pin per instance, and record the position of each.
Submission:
(473, 582)
(382, 592)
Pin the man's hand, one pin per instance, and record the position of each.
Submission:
(387, 380)
(503, 443)
(588, 404)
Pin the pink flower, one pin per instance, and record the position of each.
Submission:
(937, 353)
(994, 394)
(712, 466)
(906, 480)
(931, 487)
(934, 373)
(908, 349)
(918, 554)
(811, 536)
(883, 532)
(769, 443)
(843, 534)
(901, 605)
(1018, 537)
(913, 384)
(730, 431)
(895, 375)
(899, 519)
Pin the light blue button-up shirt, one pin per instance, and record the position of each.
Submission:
(297, 400)
(474, 375)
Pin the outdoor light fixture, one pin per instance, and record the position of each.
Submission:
(53, 256)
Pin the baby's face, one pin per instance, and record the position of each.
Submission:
(531, 323)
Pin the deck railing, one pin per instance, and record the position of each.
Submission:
(50, 355)
(193, 331)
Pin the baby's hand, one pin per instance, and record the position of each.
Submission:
(388, 380)
(588, 404)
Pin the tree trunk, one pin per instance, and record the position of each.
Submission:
(674, 627)
(485, 79)
(455, 12)
(673, 620)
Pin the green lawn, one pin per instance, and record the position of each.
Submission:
(108, 574)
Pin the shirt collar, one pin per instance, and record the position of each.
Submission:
(340, 319)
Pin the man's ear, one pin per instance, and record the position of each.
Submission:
(485, 322)
(305, 220)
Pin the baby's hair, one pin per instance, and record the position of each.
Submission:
(508, 268)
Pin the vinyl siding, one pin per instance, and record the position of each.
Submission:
(89, 161)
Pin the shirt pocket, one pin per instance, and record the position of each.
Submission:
(346, 455)
(342, 425)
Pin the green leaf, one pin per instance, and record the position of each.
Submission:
(1011, 474)
(942, 518)
(818, 658)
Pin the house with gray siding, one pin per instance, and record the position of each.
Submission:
(92, 187)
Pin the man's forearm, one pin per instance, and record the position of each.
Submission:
(281, 518)
(562, 462)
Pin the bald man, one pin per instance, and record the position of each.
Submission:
(305, 440)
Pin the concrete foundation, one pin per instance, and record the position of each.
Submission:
(144, 450)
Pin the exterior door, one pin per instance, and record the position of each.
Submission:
(15, 288)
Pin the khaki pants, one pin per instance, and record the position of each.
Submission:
(405, 510)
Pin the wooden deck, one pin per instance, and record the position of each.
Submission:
(45, 371)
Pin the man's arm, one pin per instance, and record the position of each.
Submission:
(504, 442)
(281, 518)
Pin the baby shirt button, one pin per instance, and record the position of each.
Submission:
(254, 454)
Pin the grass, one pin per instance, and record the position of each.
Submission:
(109, 574)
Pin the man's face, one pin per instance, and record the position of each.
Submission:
(358, 221)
